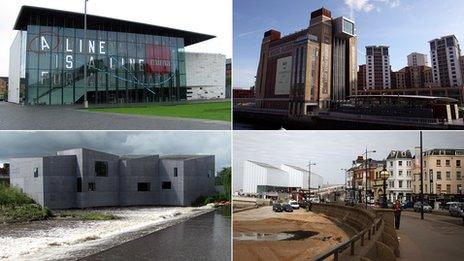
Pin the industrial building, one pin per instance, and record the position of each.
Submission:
(83, 178)
(127, 62)
(263, 178)
(309, 69)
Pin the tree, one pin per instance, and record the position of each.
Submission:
(224, 177)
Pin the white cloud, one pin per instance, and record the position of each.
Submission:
(369, 5)
(360, 5)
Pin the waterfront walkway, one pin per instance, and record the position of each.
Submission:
(434, 238)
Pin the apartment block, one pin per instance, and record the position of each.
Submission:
(378, 67)
(417, 59)
(446, 67)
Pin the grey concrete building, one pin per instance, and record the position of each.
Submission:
(82, 178)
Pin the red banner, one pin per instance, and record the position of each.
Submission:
(158, 58)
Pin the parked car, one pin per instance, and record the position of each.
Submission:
(294, 204)
(389, 204)
(417, 207)
(455, 209)
(315, 200)
(277, 207)
(287, 208)
(407, 204)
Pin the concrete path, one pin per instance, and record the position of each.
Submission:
(434, 238)
(16, 117)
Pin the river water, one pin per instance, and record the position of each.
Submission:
(70, 239)
(205, 237)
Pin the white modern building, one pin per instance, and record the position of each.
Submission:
(206, 76)
(260, 178)
(417, 59)
(400, 166)
(446, 68)
(377, 67)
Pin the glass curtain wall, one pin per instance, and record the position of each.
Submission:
(122, 67)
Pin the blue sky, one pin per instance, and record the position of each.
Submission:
(405, 25)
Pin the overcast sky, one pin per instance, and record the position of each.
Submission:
(203, 16)
(330, 150)
(29, 143)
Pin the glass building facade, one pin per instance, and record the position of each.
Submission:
(126, 63)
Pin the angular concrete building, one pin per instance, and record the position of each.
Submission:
(83, 178)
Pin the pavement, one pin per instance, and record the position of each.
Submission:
(17, 117)
(434, 238)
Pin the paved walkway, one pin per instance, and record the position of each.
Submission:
(16, 117)
(434, 238)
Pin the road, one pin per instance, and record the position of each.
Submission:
(17, 117)
(434, 238)
(206, 237)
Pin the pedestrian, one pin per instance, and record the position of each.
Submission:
(397, 211)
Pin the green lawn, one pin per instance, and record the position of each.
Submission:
(220, 111)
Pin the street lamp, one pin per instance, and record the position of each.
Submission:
(346, 179)
(86, 49)
(367, 171)
(309, 176)
(384, 175)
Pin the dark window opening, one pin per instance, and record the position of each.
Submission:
(145, 186)
(79, 184)
(91, 186)
(36, 172)
(101, 168)
(175, 172)
(166, 185)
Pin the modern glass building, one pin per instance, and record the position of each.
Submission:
(127, 62)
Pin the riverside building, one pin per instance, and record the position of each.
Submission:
(265, 179)
(83, 178)
(126, 61)
(446, 67)
(417, 59)
(309, 69)
(377, 67)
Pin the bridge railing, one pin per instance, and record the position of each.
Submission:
(368, 232)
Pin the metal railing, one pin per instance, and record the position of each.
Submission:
(370, 231)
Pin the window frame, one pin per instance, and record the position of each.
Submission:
(163, 187)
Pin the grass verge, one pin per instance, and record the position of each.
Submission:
(204, 200)
(220, 111)
(16, 206)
